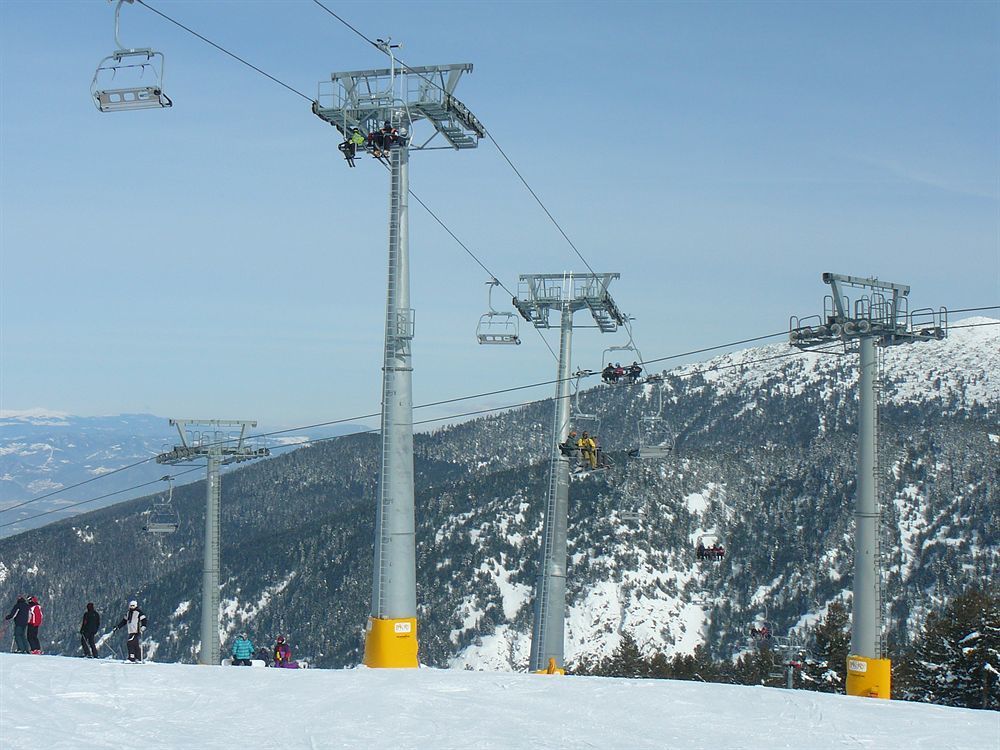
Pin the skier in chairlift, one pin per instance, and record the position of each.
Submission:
(588, 451)
(570, 449)
(349, 148)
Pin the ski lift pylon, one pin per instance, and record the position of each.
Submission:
(163, 518)
(497, 327)
(135, 91)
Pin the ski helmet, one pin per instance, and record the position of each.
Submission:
(133, 604)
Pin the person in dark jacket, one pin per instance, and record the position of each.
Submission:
(20, 616)
(34, 623)
(135, 622)
(88, 629)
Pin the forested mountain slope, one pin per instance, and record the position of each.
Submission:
(764, 458)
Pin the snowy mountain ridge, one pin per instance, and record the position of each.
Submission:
(962, 370)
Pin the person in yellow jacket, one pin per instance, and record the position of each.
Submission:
(588, 449)
(349, 148)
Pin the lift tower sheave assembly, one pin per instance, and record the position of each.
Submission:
(538, 296)
(369, 100)
(220, 449)
(878, 318)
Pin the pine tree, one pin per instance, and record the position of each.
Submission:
(825, 669)
(627, 660)
(956, 659)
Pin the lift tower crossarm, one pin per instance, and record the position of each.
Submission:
(366, 98)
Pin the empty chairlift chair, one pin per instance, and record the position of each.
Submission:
(655, 440)
(163, 518)
(129, 78)
(497, 327)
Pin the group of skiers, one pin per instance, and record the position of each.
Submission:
(280, 656)
(27, 616)
(377, 142)
(615, 373)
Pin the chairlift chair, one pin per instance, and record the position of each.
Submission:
(762, 629)
(630, 512)
(497, 327)
(163, 518)
(655, 443)
(708, 548)
(129, 78)
(579, 419)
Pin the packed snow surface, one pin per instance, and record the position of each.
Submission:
(61, 702)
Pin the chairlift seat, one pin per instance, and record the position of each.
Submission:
(111, 95)
(161, 527)
(651, 452)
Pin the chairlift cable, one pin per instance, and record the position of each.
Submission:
(224, 50)
(374, 429)
(91, 500)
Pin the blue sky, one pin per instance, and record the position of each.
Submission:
(218, 260)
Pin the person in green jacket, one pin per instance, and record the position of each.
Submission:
(242, 651)
(349, 148)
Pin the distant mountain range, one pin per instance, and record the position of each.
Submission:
(44, 452)
(763, 460)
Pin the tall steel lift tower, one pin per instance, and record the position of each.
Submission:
(879, 318)
(538, 295)
(221, 449)
(366, 99)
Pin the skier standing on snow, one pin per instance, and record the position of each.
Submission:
(242, 651)
(135, 622)
(88, 629)
(20, 616)
(34, 623)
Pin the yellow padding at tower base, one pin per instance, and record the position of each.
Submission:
(391, 644)
(869, 678)
(551, 669)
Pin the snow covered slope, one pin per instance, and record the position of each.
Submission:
(58, 702)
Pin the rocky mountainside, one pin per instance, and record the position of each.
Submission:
(764, 460)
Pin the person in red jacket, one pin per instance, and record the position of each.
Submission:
(34, 622)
